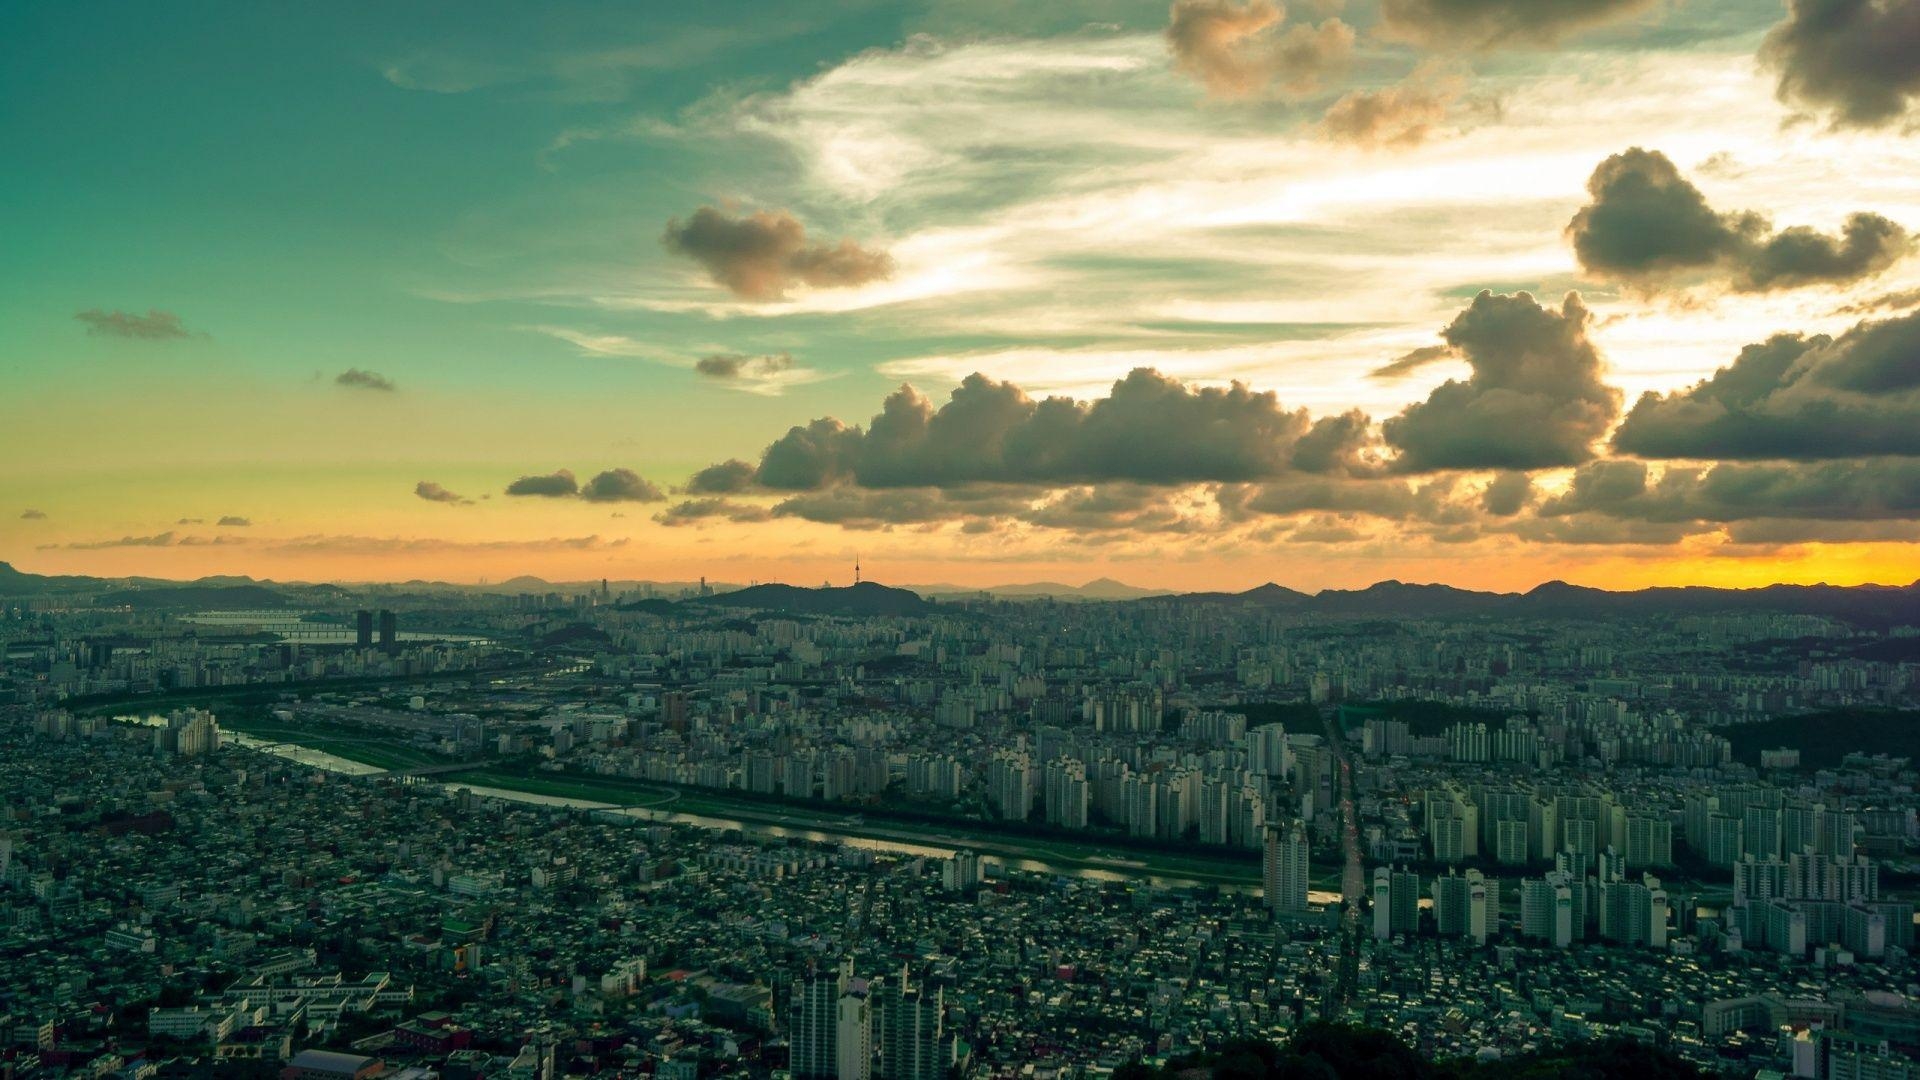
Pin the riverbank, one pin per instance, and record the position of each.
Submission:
(704, 806)
(714, 810)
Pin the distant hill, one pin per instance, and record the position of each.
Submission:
(1865, 605)
(1398, 598)
(15, 583)
(1875, 605)
(581, 635)
(1268, 595)
(866, 598)
(1097, 589)
(651, 605)
(183, 597)
(1870, 606)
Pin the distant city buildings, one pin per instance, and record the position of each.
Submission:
(979, 838)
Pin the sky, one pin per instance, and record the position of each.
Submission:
(1486, 292)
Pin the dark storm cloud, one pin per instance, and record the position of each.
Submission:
(432, 492)
(1856, 61)
(729, 366)
(762, 255)
(1869, 489)
(1793, 397)
(33, 515)
(1493, 24)
(696, 511)
(726, 478)
(613, 485)
(1592, 529)
(855, 507)
(1771, 532)
(155, 325)
(1411, 362)
(864, 508)
(1534, 401)
(810, 457)
(1241, 50)
(356, 379)
(1393, 499)
(1625, 502)
(720, 366)
(1599, 486)
(1801, 255)
(1149, 429)
(621, 485)
(1507, 494)
(1342, 443)
(1649, 227)
(552, 486)
(1325, 530)
(233, 521)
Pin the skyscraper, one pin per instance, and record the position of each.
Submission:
(1065, 795)
(1483, 907)
(1010, 785)
(1649, 841)
(853, 1036)
(1547, 909)
(815, 1022)
(389, 633)
(911, 1044)
(363, 629)
(1284, 869)
(1450, 905)
(1396, 902)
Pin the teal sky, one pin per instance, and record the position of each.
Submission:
(469, 200)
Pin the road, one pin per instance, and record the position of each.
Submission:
(1353, 876)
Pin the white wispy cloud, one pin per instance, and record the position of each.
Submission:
(1077, 199)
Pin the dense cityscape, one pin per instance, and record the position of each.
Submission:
(960, 540)
(698, 830)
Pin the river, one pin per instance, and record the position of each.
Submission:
(1122, 870)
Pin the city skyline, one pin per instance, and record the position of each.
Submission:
(1192, 297)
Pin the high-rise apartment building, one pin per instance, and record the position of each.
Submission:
(814, 1023)
(912, 1042)
(1284, 869)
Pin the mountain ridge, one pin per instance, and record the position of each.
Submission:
(1870, 604)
